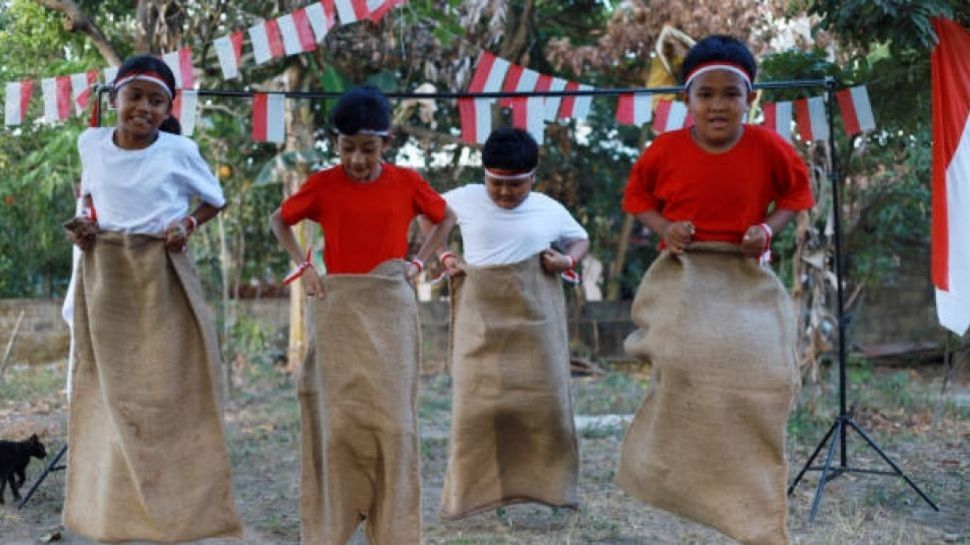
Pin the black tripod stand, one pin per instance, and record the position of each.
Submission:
(52, 466)
(843, 422)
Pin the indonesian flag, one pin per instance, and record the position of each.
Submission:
(57, 98)
(229, 51)
(519, 80)
(322, 17)
(181, 64)
(551, 106)
(778, 118)
(855, 109)
(184, 109)
(671, 115)
(81, 84)
(950, 65)
(576, 106)
(16, 102)
(810, 117)
(351, 11)
(534, 110)
(476, 113)
(266, 40)
(296, 32)
(634, 109)
(512, 84)
(268, 117)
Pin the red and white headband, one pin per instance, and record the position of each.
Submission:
(367, 132)
(706, 67)
(502, 174)
(153, 77)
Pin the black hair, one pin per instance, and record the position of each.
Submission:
(148, 63)
(361, 108)
(719, 47)
(509, 148)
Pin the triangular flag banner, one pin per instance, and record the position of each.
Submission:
(856, 110)
(184, 109)
(296, 33)
(181, 64)
(634, 109)
(670, 115)
(575, 106)
(57, 98)
(535, 109)
(810, 118)
(552, 103)
(269, 117)
(266, 41)
(351, 11)
(377, 9)
(229, 50)
(950, 69)
(511, 84)
(81, 84)
(322, 17)
(476, 114)
(16, 102)
(778, 118)
(525, 83)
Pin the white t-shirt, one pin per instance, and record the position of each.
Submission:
(493, 235)
(142, 191)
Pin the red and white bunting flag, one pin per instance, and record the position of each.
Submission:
(57, 98)
(184, 109)
(575, 106)
(16, 102)
(322, 17)
(535, 109)
(110, 73)
(476, 114)
(377, 9)
(268, 117)
(351, 11)
(525, 81)
(634, 109)
(296, 32)
(552, 103)
(229, 51)
(670, 115)
(855, 109)
(181, 64)
(511, 84)
(266, 40)
(950, 72)
(778, 118)
(81, 84)
(810, 117)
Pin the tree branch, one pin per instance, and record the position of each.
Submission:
(78, 21)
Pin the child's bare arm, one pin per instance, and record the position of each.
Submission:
(676, 234)
(284, 234)
(81, 230)
(554, 262)
(435, 236)
(177, 233)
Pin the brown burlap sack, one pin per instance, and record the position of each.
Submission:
(709, 441)
(512, 434)
(147, 453)
(358, 409)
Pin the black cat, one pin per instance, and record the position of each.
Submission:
(14, 457)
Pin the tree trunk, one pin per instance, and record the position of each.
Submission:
(78, 21)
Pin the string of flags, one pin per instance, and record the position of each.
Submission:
(302, 30)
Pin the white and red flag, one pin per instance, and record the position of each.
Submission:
(57, 98)
(778, 118)
(16, 101)
(552, 103)
(296, 32)
(269, 117)
(810, 118)
(322, 16)
(476, 113)
(634, 109)
(855, 109)
(519, 80)
(266, 40)
(950, 69)
(575, 106)
(377, 9)
(81, 84)
(229, 50)
(184, 109)
(351, 11)
(181, 64)
(534, 109)
(511, 84)
(670, 115)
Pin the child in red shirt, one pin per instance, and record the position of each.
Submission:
(717, 327)
(358, 384)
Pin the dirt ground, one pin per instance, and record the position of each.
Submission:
(899, 406)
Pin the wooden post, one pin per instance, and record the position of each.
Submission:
(13, 338)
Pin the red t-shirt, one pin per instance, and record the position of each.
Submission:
(363, 224)
(721, 193)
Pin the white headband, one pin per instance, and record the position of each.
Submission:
(368, 132)
(718, 66)
(143, 77)
(517, 176)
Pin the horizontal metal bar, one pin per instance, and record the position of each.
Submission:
(857, 470)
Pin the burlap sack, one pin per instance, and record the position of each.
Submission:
(512, 434)
(709, 441)
(147, 453)
(358, 410)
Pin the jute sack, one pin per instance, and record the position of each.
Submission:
(512, 434)
(709, 441)
(358, 411)
(147, 453)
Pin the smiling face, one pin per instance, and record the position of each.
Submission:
(360, 155)
(142, 106)
(719, 101)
